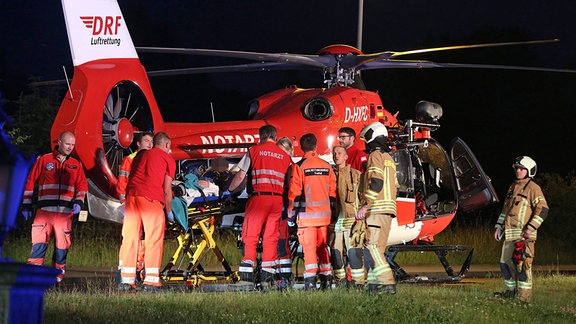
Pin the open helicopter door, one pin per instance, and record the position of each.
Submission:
(475, 188)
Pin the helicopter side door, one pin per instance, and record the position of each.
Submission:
(475, 188)
(427, 185)
(434, 184)
(405, 202)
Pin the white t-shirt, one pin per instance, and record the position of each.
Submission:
(244, 163)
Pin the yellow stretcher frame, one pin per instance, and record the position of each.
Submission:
(193, 245)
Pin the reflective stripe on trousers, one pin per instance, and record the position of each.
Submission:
(379, 271)
(262, 217)
(45, 224)
(149, 214)
(315, 249)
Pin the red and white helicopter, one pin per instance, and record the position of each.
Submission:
(110, 99)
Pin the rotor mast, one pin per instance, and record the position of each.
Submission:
(360, 24)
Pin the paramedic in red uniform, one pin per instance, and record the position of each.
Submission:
(62, 187)
(311, 199)
(144, 141)
(266, 165)
(356, 157)
(148, 200)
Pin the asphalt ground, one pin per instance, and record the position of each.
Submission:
(85, 278)
(476, 270)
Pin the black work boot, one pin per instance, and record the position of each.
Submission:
(118, 278)
(310, 283)
(325, 282)
(246, 282)
(343, 283)
(124, 287)
(382, 289)
(508, 293)
(267, 281)
(140, 275)
(151, 289)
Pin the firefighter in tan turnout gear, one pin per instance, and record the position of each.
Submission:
(347, 184)
(378, 207)
(524, 210)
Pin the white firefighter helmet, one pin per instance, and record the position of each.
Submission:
(372, 131)
(527, 163)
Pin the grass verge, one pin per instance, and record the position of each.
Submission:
(553, 302)
(96, 244)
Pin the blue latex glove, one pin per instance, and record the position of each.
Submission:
(291, 223)
(27, 214)
(226, 194)
(170, 216)
(122, 209)
(76, 209)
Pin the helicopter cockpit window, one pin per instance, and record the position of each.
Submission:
(463, 166)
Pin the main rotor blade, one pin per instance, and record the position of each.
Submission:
(310, 60)
(252, 67)
(48, 83)
(285, 61)
(356, 61)
(396, 64)
(458, 47)
(504, 67)
(324, 61)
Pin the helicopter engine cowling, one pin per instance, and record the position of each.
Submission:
(318, 108)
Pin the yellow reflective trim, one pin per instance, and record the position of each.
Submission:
(390, 164)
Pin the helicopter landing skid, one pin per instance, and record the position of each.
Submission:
(441, 252)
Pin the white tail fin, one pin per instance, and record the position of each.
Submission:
(97, 30)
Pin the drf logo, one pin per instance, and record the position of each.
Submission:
(107, 25)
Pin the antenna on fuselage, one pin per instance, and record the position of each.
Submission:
(212, 110)
(68, 82)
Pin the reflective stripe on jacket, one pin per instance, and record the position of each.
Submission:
(524, 208)
(123, 175)
(381, 184)
(348, 182)
(60, 184)
(268, 166)
(312, 184)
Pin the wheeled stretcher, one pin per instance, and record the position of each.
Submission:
(194, 229)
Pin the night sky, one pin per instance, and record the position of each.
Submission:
(500, 114)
